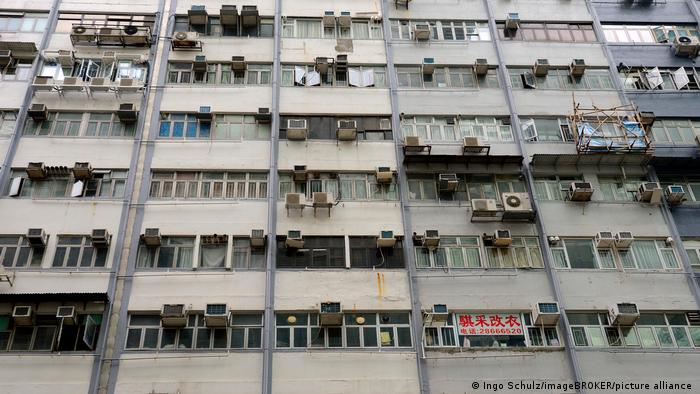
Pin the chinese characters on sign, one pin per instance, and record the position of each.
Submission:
(490, 324)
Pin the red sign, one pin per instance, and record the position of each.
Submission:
(490, 324)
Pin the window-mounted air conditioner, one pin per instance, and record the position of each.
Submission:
(257, 238)
(228, 15)
(346, 130)
(151, 237)
(481, 67)
(294, 200)
(294, 239)
(623, 314)
(330, 314)
(297, 129)
(604, 239)
(341, 62)
(431, 239)
(502, 238)
(421, 32)
(263, 115)
(345, 19)
(649, 192)
(624, 239)
(173, 315)
(100, 238)
(38, 112)
(65, 57)
(199, 63)
(322, 199)
(384, 175)
(127, 113)
(23, 315)
(541, 67)
(577, 68)
(674, 194)
(36, 171)
(546, 313)
(512, 20)
(37, 237)
(249, 15)
(67, 315)
(300, 173)
(238, 63)
(386, 239)
(428, 65)
(484, 206)
(580, 191)
(82, 170)
(329, 19)
(197, 15)
(216, 315)
(439, 313)
(448, 182)
(686, 46)
(204, 114)
(323, 64)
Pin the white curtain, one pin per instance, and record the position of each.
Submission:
(308, 29)
(368, 78)
(299, 74)
(681, 78)
(646, 255)
(313, 78)
(354, 77)
(213, 256)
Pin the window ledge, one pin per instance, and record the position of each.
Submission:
(633, 350)
(519, 350)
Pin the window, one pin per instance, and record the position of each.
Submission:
(540, 31)
(42, 335)
(78, 251)
(553, 187)
(425, 187)
(87, 68)
(365, 187)
(559, 79)
(692, 248)
(648, 254)
(643, 254)
(7, 123)
(325, 182)
(453, 77)
(542, 129)
(369, 128)
(576, 253)
(682, 78)
(214, 28)
(454, 252)
(691, 185)
(173, 253)
(318, 252)
(360, 29)
(436, 129)
(104, 184)
(648, 34)
(219, 73)
(365, 254)
(108, 125)
(523, 253)
(442, 30)
(208, 185)
(441, 336)
(91, 124)
(355, 76)
(62, 124)
(237, 127)
(145, 333)
(175, 126)
(247, 257)
(23, 22)
(18, 70)
(15, 252)
(675, 131)
(358, 330)
(619, 189)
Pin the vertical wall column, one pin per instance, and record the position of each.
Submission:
(402, 184)
(541, 231)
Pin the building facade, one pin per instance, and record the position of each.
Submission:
(398, 196)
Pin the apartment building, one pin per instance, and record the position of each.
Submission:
(397, 196)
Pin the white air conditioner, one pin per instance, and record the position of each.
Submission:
(604, 239)
(413, 144)
(481, 67)
(300, 174)
(686, 46)
(329, 19)
(151, 237)
(82, 170)
(675, 194)
(323, 63)
(546, 313)
(173, 315)
(580, 191)
(183, 39)
(330, 314)
(421, 32)
(199, 63)
(346, 130)
(294, 239)
(67, 315)
(516, 202)
(502, 238)
(38, 112)
(257, 238)
(541, 68)
(294, 200)
(322, 199)
(623, 314)
(384, 175)
(428, 65)
(345, 19)
(23, 315)
(99, 84)
(100, 238)
(512, 20)
(577, 68)
(37, 237)
(484, 206)
(127, 113)
(448, 182)
(624, 239)
(216, 315)
(386, 239)
(204, 114)
(431, 239)
(36, 171)
(649, 192)
(65, 58)
(296, 129)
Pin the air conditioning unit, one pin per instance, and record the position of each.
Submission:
(604, 239)
(216, 315)
(300, 174)
(329, 19)
(204, 114)
(82, 170)
(512, 20)
(438, 314)
(577, 68)
(228, 15)
(686, 46)
(347, 130)
(330, 314)
(448, 182)
(249, 15)
(341, 63)
(184, 39)
(421, 32)
(5, 58)
(151, 237)
(296, 129)
(67, 315)
(198, 15)
(37, 237)
(502, 238)
(674, 194)
(481, 67)
(386, 239)
(413, 143)
(541, 68)
(431, 239)
(345, 19)
(23, 315)
(173, 315)
(484, 206)
(517, 206)
(580, 191)
(36, 171)
(65, 57)
(199, 63)
(321, 199)
(623, 239)
(127, 113)
(100, 238)
(323, 63)
(384, 175)
(294, 200)
(99, 84)
(257, 238)
(263, 115)
(238, 63)
(83, 34)
(428, 65)
(649, 192)
(38, 112)
(294, 239)
(546, 313)
(623, 314)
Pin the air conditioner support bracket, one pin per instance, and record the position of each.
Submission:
(8, 277)
(300, 208)
(324, 206)
(417, 149)
(486, 149)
